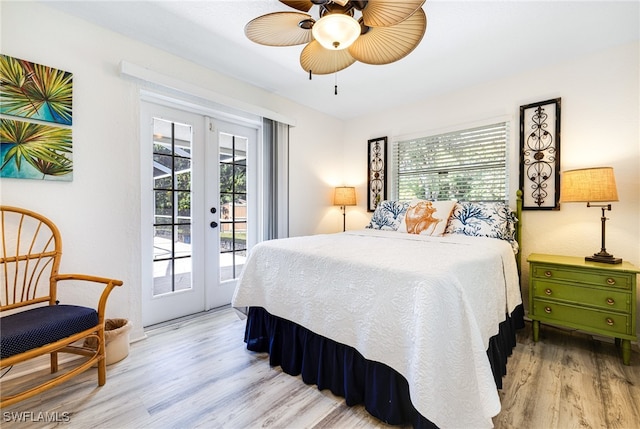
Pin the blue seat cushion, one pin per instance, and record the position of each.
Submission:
(37, 327)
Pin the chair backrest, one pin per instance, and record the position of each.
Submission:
(31, 248)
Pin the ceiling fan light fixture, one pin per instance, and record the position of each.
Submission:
(336, 31)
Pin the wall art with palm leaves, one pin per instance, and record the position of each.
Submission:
(35, 151)
(35, 91)
(29, 148)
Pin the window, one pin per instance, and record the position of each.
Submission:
(468, 165)
(233, 205)
(172, 206)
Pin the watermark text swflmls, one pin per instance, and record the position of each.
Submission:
(40, 416)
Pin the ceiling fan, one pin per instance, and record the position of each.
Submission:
(373, 32)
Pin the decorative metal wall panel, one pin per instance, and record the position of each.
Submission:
(540, 155)
(377, 181)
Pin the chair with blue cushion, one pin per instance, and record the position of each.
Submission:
(33, 323)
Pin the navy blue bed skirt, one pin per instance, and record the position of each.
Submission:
(341, 369)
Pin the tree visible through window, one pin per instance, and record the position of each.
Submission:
(467, 165)
(233, 205)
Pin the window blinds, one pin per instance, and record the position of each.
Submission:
(467, 165)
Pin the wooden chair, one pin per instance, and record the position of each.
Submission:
(33, 323)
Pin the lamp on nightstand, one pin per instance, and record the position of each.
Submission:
(344, 196)
(591, 185)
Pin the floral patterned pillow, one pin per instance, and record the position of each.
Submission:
(388, 215)
(484, 219)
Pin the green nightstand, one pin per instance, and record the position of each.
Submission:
(589, 296)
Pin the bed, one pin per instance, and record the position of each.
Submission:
(413, 316)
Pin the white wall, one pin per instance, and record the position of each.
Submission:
(98, 212)
(599, 127)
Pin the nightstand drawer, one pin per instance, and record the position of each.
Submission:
(582, 318)
(594, 277)
(607, 299)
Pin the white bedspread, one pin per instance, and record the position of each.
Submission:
(425, 306)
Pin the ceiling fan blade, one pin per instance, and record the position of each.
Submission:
(279, 29)
(384, 45)
(319, 60)
(385, 13)
(302, 5)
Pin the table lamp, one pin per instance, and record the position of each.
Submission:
(591, 185)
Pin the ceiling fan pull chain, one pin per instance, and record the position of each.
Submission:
(335, 85)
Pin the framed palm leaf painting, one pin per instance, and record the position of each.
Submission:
(34, 91)
(31, 150)
(39, 145)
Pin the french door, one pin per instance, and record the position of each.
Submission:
(197, 199)
(234, 189)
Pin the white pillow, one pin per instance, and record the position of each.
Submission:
(426, 217)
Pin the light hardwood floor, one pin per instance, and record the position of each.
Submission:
(197, 373)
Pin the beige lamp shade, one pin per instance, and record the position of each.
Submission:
(588, 185)
(344, 196)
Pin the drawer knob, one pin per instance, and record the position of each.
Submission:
(547, 291)
(609, 321)
(547, 310)
(610, 301)
(547, 273)
(611, 281)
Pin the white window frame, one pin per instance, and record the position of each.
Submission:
(441, 139)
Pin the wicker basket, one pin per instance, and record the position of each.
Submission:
(116, 339)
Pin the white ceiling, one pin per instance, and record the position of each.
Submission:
(466, 42)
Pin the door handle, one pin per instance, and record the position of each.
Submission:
(213, 224)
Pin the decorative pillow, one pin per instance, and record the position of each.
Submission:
(427, 217)
(388, 215)
(483, 219)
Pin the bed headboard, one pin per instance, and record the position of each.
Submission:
(519, 229)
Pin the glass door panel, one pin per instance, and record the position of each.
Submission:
(233, 203)
(172, 265)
